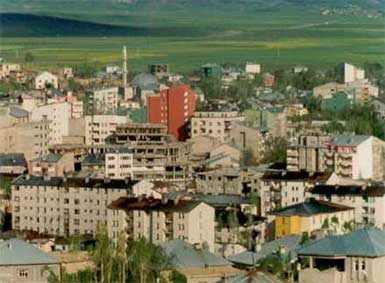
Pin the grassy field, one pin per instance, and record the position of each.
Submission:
(274, 39)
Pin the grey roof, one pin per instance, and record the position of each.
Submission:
(290, 243)
(222, 199)
(94, 159)
(12, 159)
(49, 158)
(18, 252)
(18, 112)
(364, 242)
(350, 140)
(186, 255)
(254, 277)
(309, 208)
(145, 81)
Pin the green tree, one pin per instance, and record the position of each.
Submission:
(6, 185)
(28, 57)
(145, 261)
(102, 255)
(275, 150)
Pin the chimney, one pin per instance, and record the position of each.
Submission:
(124, 65)
(87, 179)
(46, 178)
(164, 200)
(27, 177)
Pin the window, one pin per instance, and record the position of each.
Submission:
(363, 264)
(76, 201)
(22, 273)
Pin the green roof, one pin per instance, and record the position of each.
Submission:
(309, 208)
(184, 254)
(19, 252)
(364, 242)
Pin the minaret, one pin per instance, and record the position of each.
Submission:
(124, 67)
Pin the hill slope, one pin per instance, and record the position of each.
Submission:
(25, 25)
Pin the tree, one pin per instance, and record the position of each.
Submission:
(275, 150)
(145, 261)
(6, 185)
(102, 255)
(28, 57)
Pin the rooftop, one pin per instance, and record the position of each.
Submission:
(375, 190)
(49, 158)
(18, 252)
(73, 182)
(292, 176)
(133, 203)
(364, 243)
(290, 243)
(350, 140)
(186, 255)
(309, 208)
(12, 159)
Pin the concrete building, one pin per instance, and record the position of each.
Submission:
(99, 127)
(307, 154)
(172, 107)
(247, 138)
(29, 138)
(368, 200)
(279, 188)
(45, 79)
(355, 257)
(163, 220)
(103, 100)
(12, 163)
(22, 262)
(350, 73)
(61, 206)
(7, 69)
(59, 115)
(311, 216)
(54, 165)
(214, 124)
(119, 163)
(252, 68)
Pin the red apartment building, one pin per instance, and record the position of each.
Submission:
(172, 107)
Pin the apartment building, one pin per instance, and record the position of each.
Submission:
(102, 100)
(54, 165)
(156, 156)
(119, 163)
(172, 107)
(350, 73)
(61, 206)
(356, 157)
(59, 115)
(360, 90)
(355, 257)
(30, 138)
(99, 127)
(367, 199)
(311, 216)
(252, 68)
(160, 220)
(214, 124)
(279, 188)
(6, 69)
(307, 154)
(46, 79)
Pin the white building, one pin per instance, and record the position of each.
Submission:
(252, 68)
(119, 163)
(104, 99)
(59, 115)
(44, 79)
(161, 220)
(352, 73)
(214, 124)
(99, 127)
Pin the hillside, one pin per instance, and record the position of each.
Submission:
(25, 25)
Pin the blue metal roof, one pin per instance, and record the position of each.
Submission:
(364, 242)
(19, 252)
